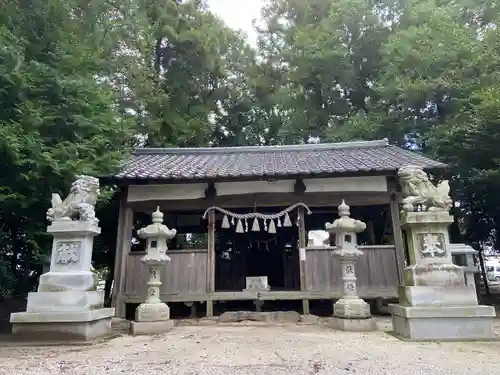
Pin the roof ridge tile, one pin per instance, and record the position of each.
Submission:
(258, 149)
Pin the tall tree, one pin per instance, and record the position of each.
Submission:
(58, 118)
(326, 57)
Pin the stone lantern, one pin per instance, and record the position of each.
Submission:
(351, 313)
(153, 316)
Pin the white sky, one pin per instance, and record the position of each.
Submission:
(238, 14)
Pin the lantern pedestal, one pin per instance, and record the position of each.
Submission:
(350, 313)
(435, 303)
(153, 316)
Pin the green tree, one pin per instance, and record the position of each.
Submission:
(58, 118)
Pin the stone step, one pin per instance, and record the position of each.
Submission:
(120, 325)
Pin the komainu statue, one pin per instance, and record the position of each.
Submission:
(79, 204)
(418, 190)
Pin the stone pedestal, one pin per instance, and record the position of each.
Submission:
(66, 305)
(71, 257)
(153, 316)
(350, 313)
(435, 303)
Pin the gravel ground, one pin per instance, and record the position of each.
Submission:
(253, 350)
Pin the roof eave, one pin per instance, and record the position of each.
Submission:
(114, 180)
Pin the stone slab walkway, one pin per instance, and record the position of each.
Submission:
(254, 349)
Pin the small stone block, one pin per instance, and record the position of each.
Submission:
(426, 218)
(255, 316)
(440, 275)
(77, 281)
(151, 328)
(437, 296)
(65, 301)
(354, 325)
(152, 312)
(351, 309)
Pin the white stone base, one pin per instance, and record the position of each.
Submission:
(66, 281)
(437, 296)
(151, 318)
(354, 325)
(438, 274)
(351, 308)
(62, 326)
(152, 312)
(64, 301)
(433, 323)
(151, 328)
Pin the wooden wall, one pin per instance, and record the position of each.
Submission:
(376, 270)
(186, 273)
(185, 277)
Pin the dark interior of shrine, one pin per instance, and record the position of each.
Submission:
(260, 253)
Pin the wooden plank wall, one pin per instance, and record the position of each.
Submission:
(185, 273)
(376, 270)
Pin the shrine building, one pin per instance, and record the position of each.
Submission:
(243, 212)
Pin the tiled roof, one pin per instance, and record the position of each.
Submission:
(270, 161)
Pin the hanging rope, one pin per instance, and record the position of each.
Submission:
(257, 215)
(242, 219)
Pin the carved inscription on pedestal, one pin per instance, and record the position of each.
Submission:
(431, 244)
(349, 269)
(350, 287)
(68, 252)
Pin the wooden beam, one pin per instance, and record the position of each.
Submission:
(264, 200)
(211, 261)
(119, 245)
(122, 252)
(396, 227)
(157, 181)
(302, 260)
(363, 292)
(210, 191)
(299, 188)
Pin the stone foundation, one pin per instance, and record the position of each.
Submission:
(443, 323)
(150, 328)
(64, 301)
(437, 296)
(354, 325)
(81, 281)
(62, 326)
(152, 312)
(254, 316)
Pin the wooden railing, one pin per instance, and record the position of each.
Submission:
(376, 271)
(185, 273)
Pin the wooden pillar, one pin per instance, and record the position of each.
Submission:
(302, 259)
(211, 261)
(370, 229)
(396, 229)
(123, 243)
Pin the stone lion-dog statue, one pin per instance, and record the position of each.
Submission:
(418, 190)
(79, 204)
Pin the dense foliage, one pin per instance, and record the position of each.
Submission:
(81, 83)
